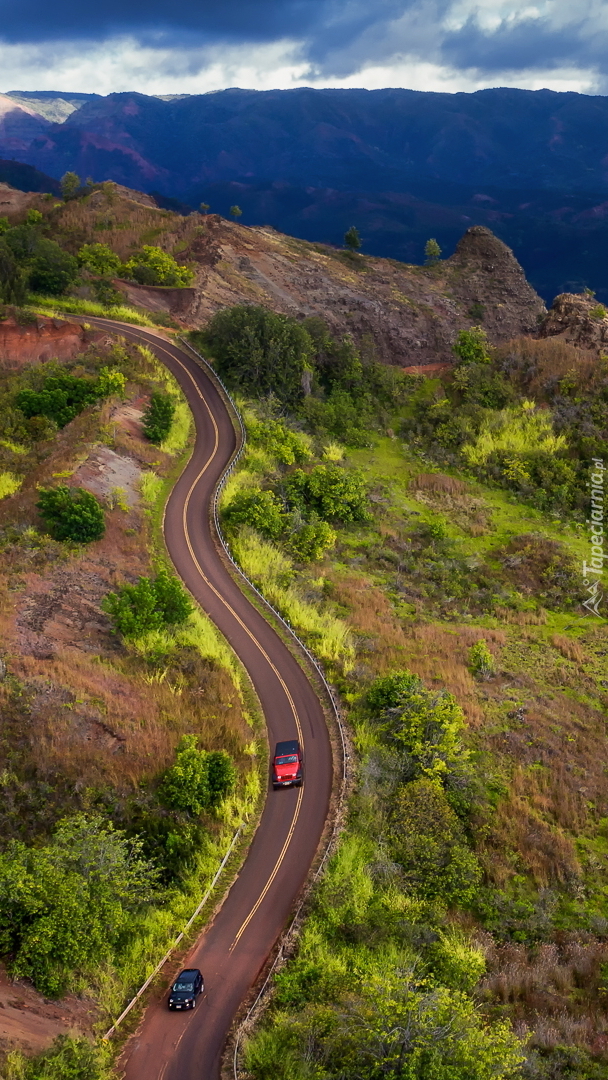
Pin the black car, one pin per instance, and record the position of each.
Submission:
(186, 989)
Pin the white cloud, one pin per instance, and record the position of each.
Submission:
(122, 64)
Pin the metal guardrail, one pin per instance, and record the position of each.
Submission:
(310, 657)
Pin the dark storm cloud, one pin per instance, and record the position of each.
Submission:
(236, 20)
(337, 37)
(531, 43)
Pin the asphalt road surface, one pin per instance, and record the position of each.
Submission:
(233, 949)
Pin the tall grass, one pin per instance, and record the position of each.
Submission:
(272, 571)
(9, 484)
(519, 430)
(177, 439)
(150, 486)
(74, 305)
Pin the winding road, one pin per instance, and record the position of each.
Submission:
(233, 949)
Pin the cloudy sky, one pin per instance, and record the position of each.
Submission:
(193, 46)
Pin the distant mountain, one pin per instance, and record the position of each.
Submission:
(27, 178)
(402, 165)
(51, 104)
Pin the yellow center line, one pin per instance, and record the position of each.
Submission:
(252, 636)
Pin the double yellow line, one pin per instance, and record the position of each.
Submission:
(249, 633)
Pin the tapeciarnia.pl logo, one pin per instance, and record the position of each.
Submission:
(594, 569)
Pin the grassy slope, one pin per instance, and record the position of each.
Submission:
(68, 708)
(536, 729)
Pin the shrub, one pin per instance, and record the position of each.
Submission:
(389, 691)
(259, 351)
(335, 493)
(63, 906)
(71, 514)
(481, 661)
(99, 259)
(261, 510)
(52, 270)
(428, 842)
(62, 397)
(311, 540)
(68, 1058)
(158, 417)
(471, 346)
(198, 780)
(151, 604)
(288, 447)
(153, 266)
(456, 962)
(13, 282)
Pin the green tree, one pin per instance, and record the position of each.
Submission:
(198, 780)
(335, 493)
(153, 266)
(13, 282)
(288, 447)
(70, 184)
(352, 239)
(204, 208)
(236, 212)
(99, 259)
(427, 840)
(471, 346)
(432, 252)
(150, 604)
(62, 397)
(111, 381)
(34, 217)
(64, 906)
(259, 351)
(71, 514)
(158, 417)
(52, 270)
(259, 509)
(4, 225)
(312, 539)
(481, 661)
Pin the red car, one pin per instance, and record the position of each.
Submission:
(287, 765)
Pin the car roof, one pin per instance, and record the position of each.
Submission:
(188, 971)
(291, 747)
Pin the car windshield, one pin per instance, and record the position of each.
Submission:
(183, 986)
(287, 760)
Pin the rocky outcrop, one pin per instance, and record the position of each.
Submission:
(44, 339)
(178, 302)
(578, 319)
(485, 276)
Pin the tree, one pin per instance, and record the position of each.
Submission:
(52, 270)
(13, 288)
(352, 239)
(151, 604)
(312, 539)
(99, 259)
(260, 510)
(62, 397)
(158, 417)
(34, 217)
(432, 252)
(259, 351)
(336, 494)
(471, 346)
(428, 841)
(199, 780)
(204, 208)
(70, 184)
(236, 212)
(71, 514)
(63, 906)
(153, 266)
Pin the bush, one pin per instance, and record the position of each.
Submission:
(153, 266)
(471, 346)
(158, 417)
(52, 270)
(63, 906)
(13, 282)
(260, 352)
(428, 842)
(71, 514)
(99, 259)
(151, 604)
(67, 1059)
(199, 780)
(288, 447)
(62, 397)
(335, 493)
(311, 540)
(261, 510)
(481, 661)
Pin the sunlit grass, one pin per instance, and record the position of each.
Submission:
(177, 439)
(9, 484)
(74, 305)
